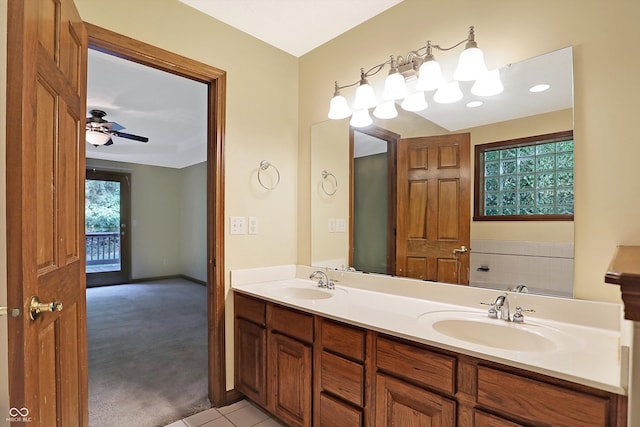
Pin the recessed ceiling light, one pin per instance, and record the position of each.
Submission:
(539, 88)
(474, 104)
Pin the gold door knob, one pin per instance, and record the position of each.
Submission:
(461, 250)
(36, 307)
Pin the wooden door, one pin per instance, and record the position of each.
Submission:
(433, 215)
(402, 404)
(290, 376)
(46, 95)
(251, 360)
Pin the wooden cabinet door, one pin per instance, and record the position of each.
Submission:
(402, 404)
(290, 380)
(251, 360)
(46, 97)
(434, 200)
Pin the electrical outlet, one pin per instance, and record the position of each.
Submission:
(238, 225)
(253, 225)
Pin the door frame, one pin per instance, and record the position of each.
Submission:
(392, 139)
(124, 274)
(133, 50)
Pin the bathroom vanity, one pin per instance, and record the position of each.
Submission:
(355, 356)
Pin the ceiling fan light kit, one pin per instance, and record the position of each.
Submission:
(418, 63)
(99, 130)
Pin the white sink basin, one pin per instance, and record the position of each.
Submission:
(476, 328)
(305, 293)
(505, 336)
(304, 290)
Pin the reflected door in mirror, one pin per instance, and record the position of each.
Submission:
(433, 208)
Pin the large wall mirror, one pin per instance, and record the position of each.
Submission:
(352, 183)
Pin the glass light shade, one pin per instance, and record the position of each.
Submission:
(386, 110)
(338, 108)
(415, 102)
(448, 93)
(360, 118)
(430, 76)
(394, 87)
(97, 138)
(365, 97)
(470, 65)
(488, 84)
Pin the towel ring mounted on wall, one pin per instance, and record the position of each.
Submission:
(264, 165)
(329, 178)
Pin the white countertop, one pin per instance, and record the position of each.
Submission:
(592, 347)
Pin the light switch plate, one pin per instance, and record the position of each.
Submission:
(332, 225)
(253, 225)
(238, 225)
(341, 225)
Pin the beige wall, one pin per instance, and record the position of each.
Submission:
(261, 121)
(604, 36)
(193, 221)
(168, 215)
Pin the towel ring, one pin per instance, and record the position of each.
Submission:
(326, 178)
(264, 165)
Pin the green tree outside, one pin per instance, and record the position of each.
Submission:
(102, 206)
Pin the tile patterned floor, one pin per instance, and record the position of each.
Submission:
(239, 414)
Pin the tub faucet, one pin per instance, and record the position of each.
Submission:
(502, 307)
(323, 281)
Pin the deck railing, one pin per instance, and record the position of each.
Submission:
(103, 248)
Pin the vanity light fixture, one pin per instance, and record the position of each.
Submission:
(474, 104)
(420, 64)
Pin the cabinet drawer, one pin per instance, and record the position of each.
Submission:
(417, 364)
(342, 339)
(481, 419)
(249, 308)
(292, 323)
(546, 403)
(337, 414)
(342, 378)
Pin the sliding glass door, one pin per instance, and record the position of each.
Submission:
(107, 227)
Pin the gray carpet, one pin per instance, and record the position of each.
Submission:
(147, 345)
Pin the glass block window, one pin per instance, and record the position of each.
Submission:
(525, 179)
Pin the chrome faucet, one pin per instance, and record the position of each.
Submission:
(323, 281)
(521, 289)
(502, 307)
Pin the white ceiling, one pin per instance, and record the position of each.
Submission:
(170, 110)
(295, 26)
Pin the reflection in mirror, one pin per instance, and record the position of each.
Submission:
(504, 254)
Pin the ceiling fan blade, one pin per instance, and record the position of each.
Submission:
(109, 142)
(130, 136)
(113, 126)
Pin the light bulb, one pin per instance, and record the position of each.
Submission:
(338, 108)
(488, 84)
(360, 118)
(394, 87)
(386, 110)
(448, 93)
(470, 65)
(97, 138)
(415, 102)
(365, 97)
(430, 76)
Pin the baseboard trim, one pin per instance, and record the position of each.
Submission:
(233, 396)
(173, 276)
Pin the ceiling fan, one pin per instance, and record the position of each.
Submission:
(99, 130)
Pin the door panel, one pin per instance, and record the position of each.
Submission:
(45, 200)
(433, 208)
